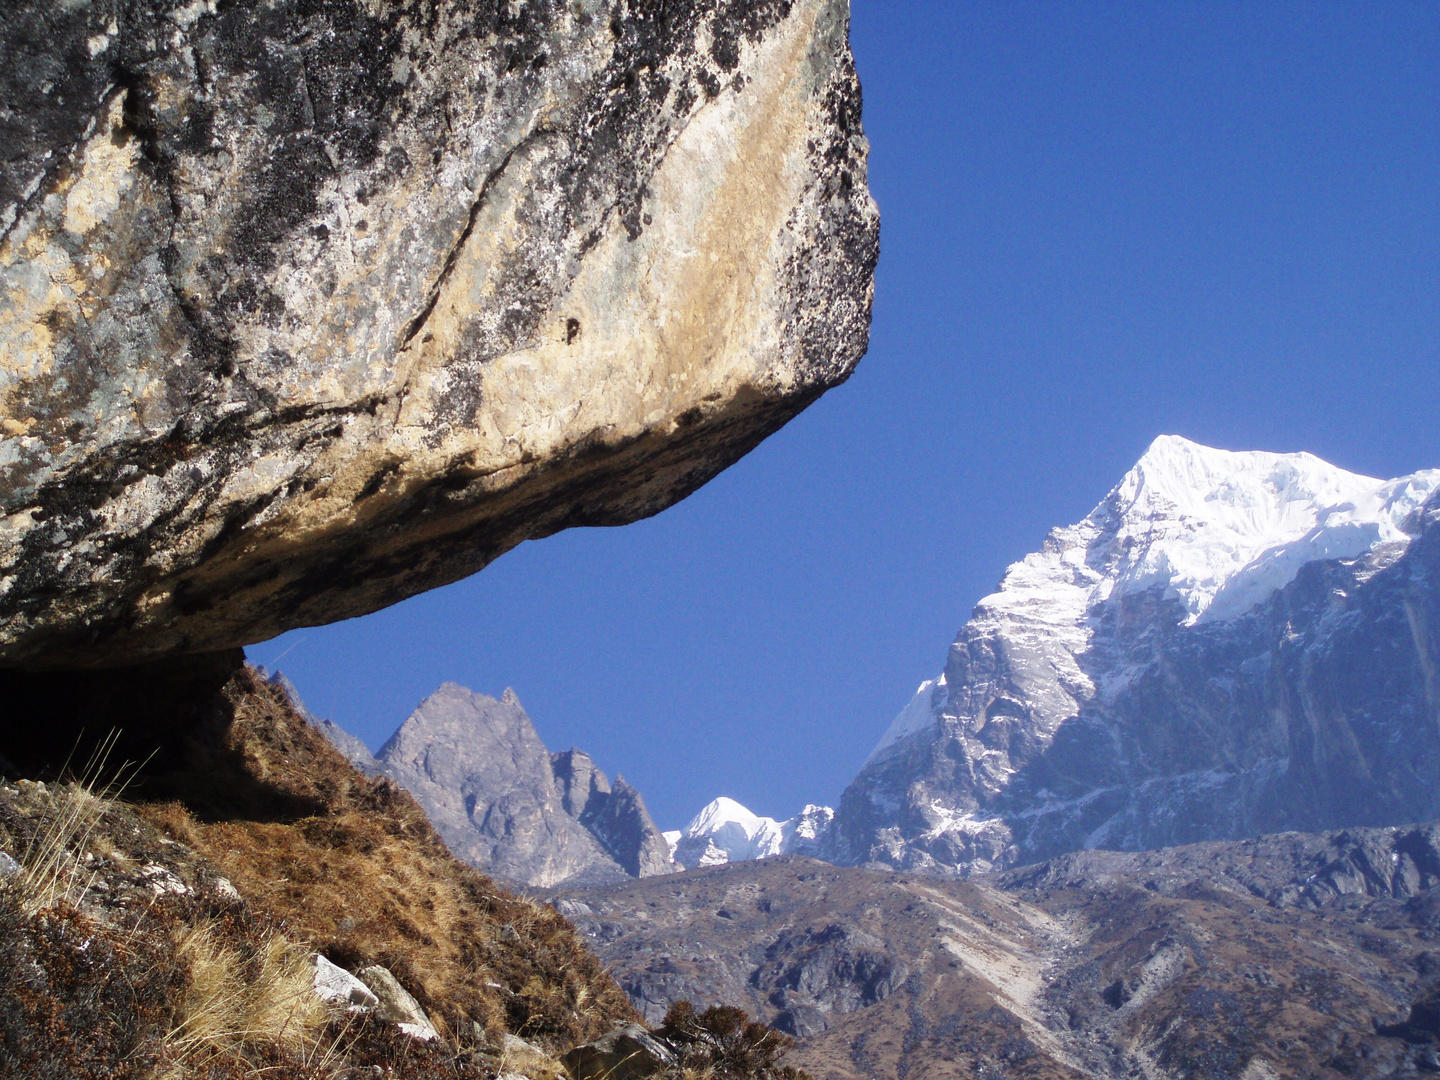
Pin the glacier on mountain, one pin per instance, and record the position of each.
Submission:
(1176, 567)
(1221, 530)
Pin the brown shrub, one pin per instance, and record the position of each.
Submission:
(79, 999)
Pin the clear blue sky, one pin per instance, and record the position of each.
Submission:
(1101, 221)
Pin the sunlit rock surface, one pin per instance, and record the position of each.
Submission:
(306, 308)
(507, 805)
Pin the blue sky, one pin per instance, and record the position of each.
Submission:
(1101, 222)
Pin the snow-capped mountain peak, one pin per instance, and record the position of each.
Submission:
(725, 831)
(726, 815)
(1140, 678)
(1222, 530)
(1218, 531)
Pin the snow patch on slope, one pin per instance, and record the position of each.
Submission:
(917, 716)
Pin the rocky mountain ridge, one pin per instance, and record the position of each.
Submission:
(1230, 644)
(504, 803)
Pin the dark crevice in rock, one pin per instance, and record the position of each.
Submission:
(449, 263)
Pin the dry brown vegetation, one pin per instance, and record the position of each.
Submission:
(124, 957)
(243, 995)
(350, 865)
(723, 1043)
(79, 999)
(168, 935)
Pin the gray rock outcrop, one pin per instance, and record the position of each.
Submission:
(307, 308)
(627, 1053)
(505, 804)
(397, 1004)
(614, 815)
(623, 826)
(335, 985)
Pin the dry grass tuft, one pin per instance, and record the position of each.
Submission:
(723, 1043)
(233, 1003)
(531, 1065)
(52, 868)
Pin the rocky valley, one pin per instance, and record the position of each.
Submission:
(1305, 956)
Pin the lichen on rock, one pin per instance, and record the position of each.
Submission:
(305, 308)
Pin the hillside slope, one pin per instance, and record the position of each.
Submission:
(323, 859)
(1296, 956)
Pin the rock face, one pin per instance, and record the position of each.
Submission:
(505, 804)
(1231, 644)
(627, 1053)
(396, 1004)
(306, 308)
(619, 820)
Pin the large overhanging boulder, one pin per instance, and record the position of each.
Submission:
(309, 306)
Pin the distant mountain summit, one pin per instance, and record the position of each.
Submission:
(725, 831)
(503, 802)
(1230, 643)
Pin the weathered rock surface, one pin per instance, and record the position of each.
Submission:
(335, 985)
(396, 1004)
(507, 805)
(306, 308)
(627, 1053)
(619, 820)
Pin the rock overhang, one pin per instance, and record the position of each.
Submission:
(312, 308)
